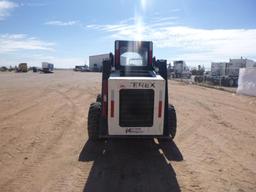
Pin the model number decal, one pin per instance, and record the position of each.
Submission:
(133, 130)
(142, 85)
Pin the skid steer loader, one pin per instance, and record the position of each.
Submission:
(134, 96)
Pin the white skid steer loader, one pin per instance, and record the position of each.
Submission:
(134, 97)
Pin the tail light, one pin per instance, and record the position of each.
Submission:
(112, 105)
(104, 98)
(160, 104)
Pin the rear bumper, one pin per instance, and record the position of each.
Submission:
(105, 134)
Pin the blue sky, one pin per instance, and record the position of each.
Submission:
(67, 32)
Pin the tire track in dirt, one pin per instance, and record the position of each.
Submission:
(63, 123)
(219, 166)
(209, 145)
(37, 99)
(72, 178)
(216, 141)
(46, 94)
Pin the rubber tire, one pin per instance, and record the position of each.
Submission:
(200, 79)
(94, 121)
(172, 121)
(99, 98)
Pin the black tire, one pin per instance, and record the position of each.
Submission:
(94, 121)
(200, 79)
(172, 121)
(99, 98)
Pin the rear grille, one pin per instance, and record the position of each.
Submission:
(136, 108)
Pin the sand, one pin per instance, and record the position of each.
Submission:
(44, 144)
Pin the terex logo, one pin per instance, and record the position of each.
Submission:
(142, 85)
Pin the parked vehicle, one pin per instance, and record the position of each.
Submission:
(23, 67)
(3, 68)
(227, 73)
(34, 69)
(224, 73)
(47, 67)
(181, 70)
(83, 68)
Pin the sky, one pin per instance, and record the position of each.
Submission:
(67, 32)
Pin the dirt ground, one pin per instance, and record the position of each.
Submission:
(44, 147)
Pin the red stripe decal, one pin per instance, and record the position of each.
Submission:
(104, 96)
(112, 108)
(160, 109)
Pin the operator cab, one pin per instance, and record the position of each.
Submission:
(134, 58)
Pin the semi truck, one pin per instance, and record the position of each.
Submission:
(181, 70)
(219, 74)
(227, 73)
(47, 67)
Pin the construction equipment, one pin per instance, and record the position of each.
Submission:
(23, 67)
(134, 96)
